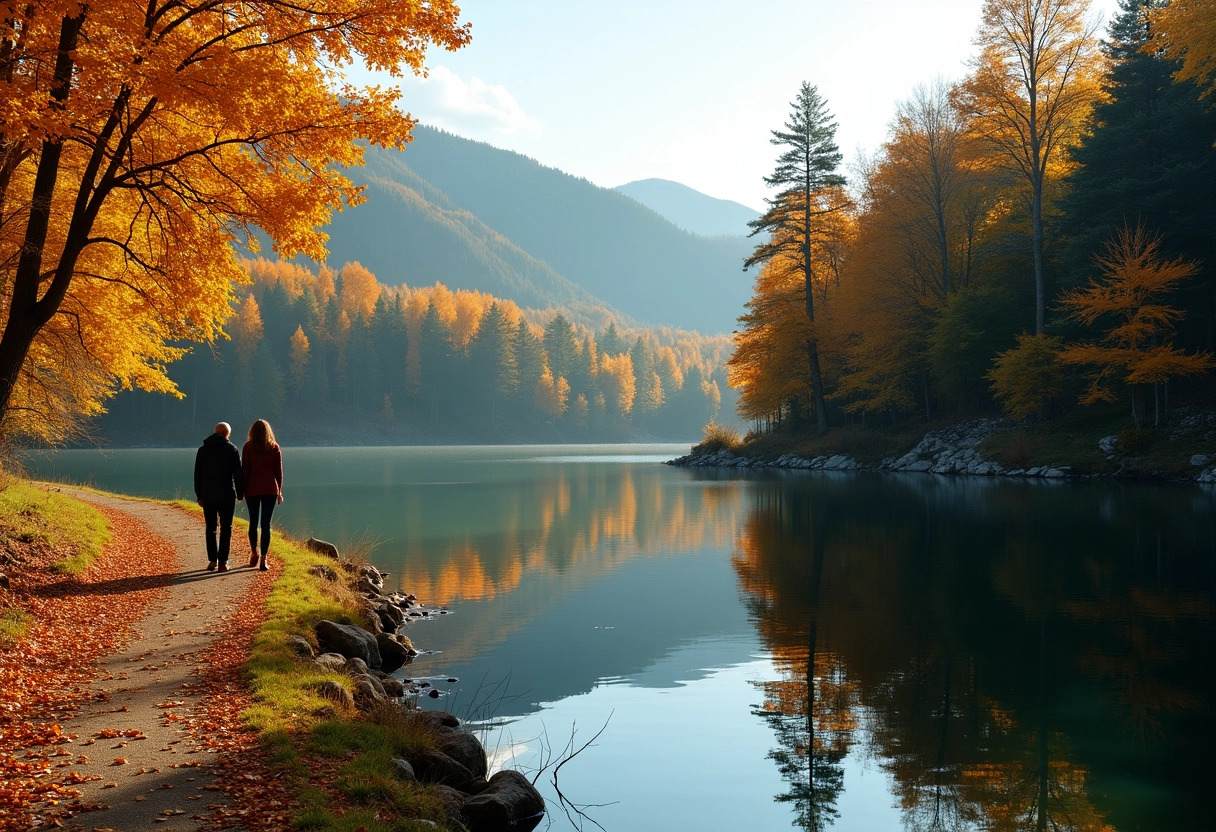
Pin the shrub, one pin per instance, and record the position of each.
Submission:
(719, 437)
(1028, 377)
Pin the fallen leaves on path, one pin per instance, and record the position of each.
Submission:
(44, 676)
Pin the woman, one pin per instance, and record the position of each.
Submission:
(262, 462)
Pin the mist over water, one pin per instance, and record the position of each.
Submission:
(770, 650)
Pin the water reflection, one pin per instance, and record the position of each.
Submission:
(1014, 657)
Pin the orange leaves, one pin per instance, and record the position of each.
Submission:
(1134, 277)
(217, 118)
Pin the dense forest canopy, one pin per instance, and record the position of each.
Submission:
(340, 357)
(1010, 243)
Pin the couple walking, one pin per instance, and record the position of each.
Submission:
(222, 476)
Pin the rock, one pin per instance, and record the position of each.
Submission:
(435, 767)
(331, 661)
(452, 799)
(369, 586)
(391, 616)
(349, 640)
(356, 667)
(393, 653)
(403, 769)
(371, 619)
(920, 465)
(322, 547)
(393, 688)
(327, 573)
(1202, 460)
(465, 749)
(368, 692)
(300, 646)
(508, 802)
(1109, 445)
(438, 719)
(336, 693)
(4, 580)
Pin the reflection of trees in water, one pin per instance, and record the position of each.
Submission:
(810, 708)
(593, 524)
(966, 639)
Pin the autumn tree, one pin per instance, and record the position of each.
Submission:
(1029, 94)
(136, 144)
(1188, 28)
(805, 169)
(1136, 348)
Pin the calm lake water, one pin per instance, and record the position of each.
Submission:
(765, 650)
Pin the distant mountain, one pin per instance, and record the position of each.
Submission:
(690, 209)
(474, 216)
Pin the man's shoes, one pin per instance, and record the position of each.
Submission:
(223, 567)
(210, 566)
(253, 558)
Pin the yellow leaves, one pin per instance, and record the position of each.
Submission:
(1026, 378)
(1188, 29)
(360, 291)
(247, 329)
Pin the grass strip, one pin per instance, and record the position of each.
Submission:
(33, 516)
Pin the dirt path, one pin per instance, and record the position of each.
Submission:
(134, 731)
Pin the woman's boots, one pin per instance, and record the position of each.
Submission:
(262, 564)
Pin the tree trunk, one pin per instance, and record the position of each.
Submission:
(1036, 222)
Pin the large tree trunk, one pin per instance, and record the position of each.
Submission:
(27, 314)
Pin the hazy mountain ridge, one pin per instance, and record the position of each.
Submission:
(477, 217)
(690, 209)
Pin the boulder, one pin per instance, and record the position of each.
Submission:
(331, 661)
(367, 692)
(391, 616)
(452, 799)
(403, 769)
(394, 688)
(508, 802)
(438, 719)
(465, 749)
(356, 666)
(393, 653)
(322, 547)
(336, 693)
(371, 619)
(300, 646)
(369, 586)
(327, 573)
(1202, 460)
(349, 640)
(435, 767)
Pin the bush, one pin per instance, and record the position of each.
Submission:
(719, 438)
(1134, 441)
(1028, 377)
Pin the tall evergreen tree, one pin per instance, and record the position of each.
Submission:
(806, 169)
(1147, 160)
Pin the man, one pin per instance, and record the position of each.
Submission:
(219, 483)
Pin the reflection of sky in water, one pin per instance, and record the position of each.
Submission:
(591, 580)
(680, 757)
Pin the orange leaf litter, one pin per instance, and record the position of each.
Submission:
(74, 621)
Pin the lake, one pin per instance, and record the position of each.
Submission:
(767, 650)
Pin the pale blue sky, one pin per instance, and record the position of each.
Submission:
(687, 90)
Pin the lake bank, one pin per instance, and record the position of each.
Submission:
(1183, 451)
(291, 737)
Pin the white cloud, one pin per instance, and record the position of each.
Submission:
(446, 100)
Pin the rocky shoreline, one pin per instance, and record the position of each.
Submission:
(457, 767)
(952, 450)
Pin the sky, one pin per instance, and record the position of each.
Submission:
(687, 90)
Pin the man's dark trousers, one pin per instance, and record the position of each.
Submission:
(219, 514)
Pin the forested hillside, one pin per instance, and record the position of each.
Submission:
(338, 357)
(475, 217)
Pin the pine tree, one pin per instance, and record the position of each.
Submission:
(805, 169)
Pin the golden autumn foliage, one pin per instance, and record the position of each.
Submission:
(1033, 85)
(1135, 348)
(1026, 378)
(137, 143)
(1188, 28)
